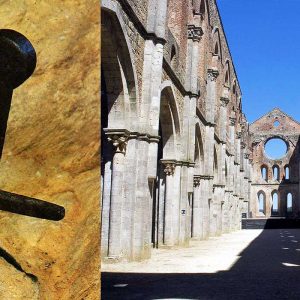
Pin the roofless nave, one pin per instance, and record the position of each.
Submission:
(177, 159)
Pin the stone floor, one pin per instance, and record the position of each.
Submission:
(248, 264)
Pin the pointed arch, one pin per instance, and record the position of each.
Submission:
(118, 73)
(216, 165)
(276, 172)
(264, 172)
(287, 172)
(289, 203)
(169, 121)
(227, 76)
(199, 150)
(217, 46)
(261, 198)
(275, 202)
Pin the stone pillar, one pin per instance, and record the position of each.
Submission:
(119, 141)
(194, 35)
(210, 103)
(169, 169)
(223, 119)
(226, 214)
(197, 221)
(206, 199)
(232, 135)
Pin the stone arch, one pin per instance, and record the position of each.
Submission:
(234, 88)
(216, 166)
(261, 202)
(169, 122)
(118, 74)
(199, 150)
(217, 46)
(119, 110)
(173, 57)
(201, 7)
(227, 74)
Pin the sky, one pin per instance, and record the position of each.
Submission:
(264, 40)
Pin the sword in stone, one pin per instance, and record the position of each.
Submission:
(17, 63)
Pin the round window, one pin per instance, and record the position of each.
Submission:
(275, 148)
(276, 123)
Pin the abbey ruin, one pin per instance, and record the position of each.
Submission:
(179, 159)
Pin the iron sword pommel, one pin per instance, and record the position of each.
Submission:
(17, 58)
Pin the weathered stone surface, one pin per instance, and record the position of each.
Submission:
(51, 152)
(266, 183)
(17, 285)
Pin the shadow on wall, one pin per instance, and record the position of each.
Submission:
(269, 268)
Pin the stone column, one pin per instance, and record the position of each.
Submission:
(119, 140)
(194, 35)
(169, 169)
(226, 214)
(210, 103)
(197, 221)
(232, 135)
(206, 199)
(214, 211)
(223, 119)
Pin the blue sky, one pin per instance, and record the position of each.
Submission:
(264, 40)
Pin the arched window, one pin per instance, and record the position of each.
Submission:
(264, 173)
(173, 59)
(202, 8)
(289, 203)
(287, 172)
(275, 203)
(276, 173)
(216, 51)
(261, 202)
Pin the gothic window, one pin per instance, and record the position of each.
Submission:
(261, 202)
(216, 51)
(264, 173)
(289, 203)
(275, 202)
(276, 173)
(173, 57)
(287, 172)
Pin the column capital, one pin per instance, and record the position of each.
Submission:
(197, 179)
(195, 33)
(169, 166)
(212, 74)
(224, 101)
(232, 121)
(118, 137)
(238, 135)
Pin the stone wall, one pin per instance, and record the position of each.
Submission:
(275, 124)
(51, 152)
(176, 165)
